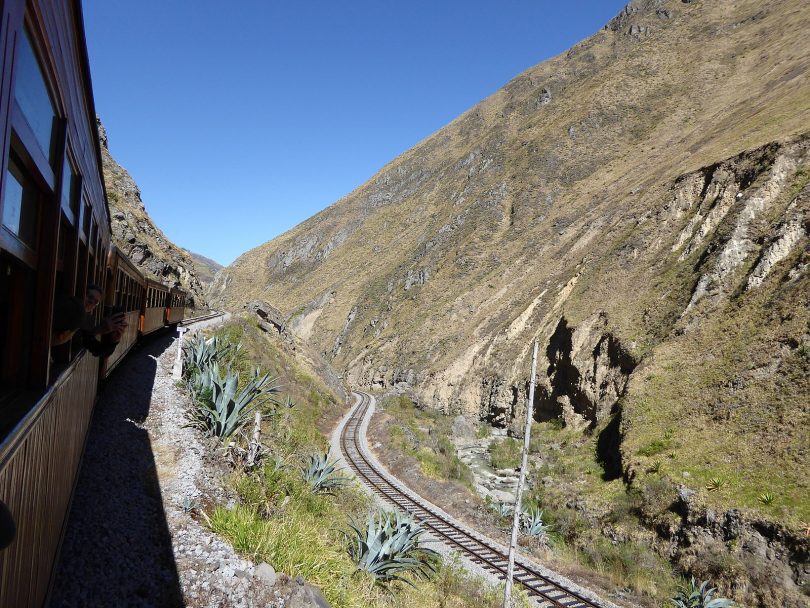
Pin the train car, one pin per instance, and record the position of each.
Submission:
(177, 306)
(54, 235)
(126, 291)
(153, 310)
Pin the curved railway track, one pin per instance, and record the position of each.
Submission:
(204, 317)
(548, 589)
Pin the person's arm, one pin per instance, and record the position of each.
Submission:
(107, 325)
(101, 348)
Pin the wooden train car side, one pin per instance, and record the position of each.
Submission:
(126, 291)
(177, 306)
(54, 234)
(153, 311)
(54, 242)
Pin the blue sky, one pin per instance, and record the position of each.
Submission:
(240, 120)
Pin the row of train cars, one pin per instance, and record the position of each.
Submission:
(148, 305)
(55, 240)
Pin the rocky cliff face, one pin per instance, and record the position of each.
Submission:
(639, 204)
(205, 268)
(136, 235)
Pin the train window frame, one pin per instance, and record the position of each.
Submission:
(28, 47)
(71, 188)
(9, 239)
(87, 218)
(40, 166)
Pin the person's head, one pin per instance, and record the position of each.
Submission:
(92, 297)
(68, 313)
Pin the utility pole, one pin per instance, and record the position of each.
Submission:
(507, 594)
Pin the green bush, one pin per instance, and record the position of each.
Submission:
(505, 453)
(627, 563)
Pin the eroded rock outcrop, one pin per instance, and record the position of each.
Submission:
(136, 235)
(742, 190)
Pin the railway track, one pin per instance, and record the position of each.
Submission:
(548, 589)
(204, 317)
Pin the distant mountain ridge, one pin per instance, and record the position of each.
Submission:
(135, 233)
(640, 205)
(206, 268)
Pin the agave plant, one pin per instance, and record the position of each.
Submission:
(320, 475)
(501, 509)
(766, 498)
(389, 547)
(716, 483)
(692, 595)
(532, 524)
(199, 354)
(227, 410)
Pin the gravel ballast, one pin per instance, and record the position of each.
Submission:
(132, 536)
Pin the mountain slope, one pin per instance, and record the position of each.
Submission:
(205, 268)
(135, 233)
(488, 225)
(639, 204)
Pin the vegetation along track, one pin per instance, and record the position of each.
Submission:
(548, 589)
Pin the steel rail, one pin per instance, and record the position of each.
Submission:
(477, 547)
(204, 317)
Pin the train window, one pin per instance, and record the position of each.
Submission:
(17, 292)
(91, 241)
(21, 205)
(71, 188)
(87, 215)
(32, 95)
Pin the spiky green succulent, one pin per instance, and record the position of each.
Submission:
(692, 595)
(321, 475)
(222, 409)
(532, 524)
(390, 548)
(200, 353)
(502, 509)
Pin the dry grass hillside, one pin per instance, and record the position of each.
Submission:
(639, 204)
(205, 268)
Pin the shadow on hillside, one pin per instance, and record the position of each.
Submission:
(117, 549)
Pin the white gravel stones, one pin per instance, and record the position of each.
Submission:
(132, 537)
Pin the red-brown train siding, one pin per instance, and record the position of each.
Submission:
(37, 476)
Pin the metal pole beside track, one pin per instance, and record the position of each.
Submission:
(510, 570)
(177, 371)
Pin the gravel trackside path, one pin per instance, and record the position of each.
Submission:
(131, 538)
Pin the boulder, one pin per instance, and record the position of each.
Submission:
(462, 428)
(304, 595)
(266, 573)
